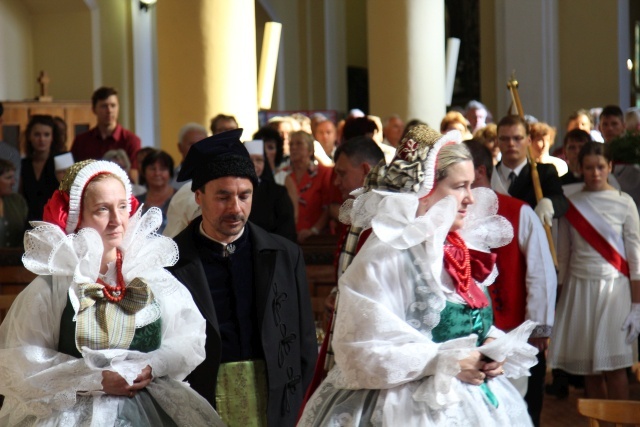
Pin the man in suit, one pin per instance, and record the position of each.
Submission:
(513, 172)
(250, 286)
(513, 177)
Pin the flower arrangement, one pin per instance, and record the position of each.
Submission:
(626, 149)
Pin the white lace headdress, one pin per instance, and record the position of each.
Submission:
(410, 176)
(65, 206)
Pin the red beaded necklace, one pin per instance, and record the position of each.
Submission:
(463, 269)
(115, 293)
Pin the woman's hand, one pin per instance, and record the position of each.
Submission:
(471, 369)
(493, 369)
(114, 384)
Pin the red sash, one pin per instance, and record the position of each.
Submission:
(594, 237)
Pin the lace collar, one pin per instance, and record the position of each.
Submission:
(392, 217)
(48, 251)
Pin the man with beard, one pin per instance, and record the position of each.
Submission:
(250, 286)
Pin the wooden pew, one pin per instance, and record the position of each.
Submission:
(319, 252)
(13, 277)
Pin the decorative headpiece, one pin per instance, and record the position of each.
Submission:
(413, 169)
(215, 157)
(65, 206)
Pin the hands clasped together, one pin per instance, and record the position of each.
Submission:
(113, 383)
(475, 369)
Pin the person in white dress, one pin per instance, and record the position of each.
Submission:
(104, 336)
(414, 343)
(598, 313)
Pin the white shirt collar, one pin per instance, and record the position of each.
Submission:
(224, 245)
(505, 171)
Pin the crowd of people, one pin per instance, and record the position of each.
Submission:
(176, 293)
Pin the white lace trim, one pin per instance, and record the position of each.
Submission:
(48, 251)
(392, 216)
(79, 183)
(452, 137)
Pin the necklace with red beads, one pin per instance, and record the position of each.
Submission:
(463, 269)
(117, 292)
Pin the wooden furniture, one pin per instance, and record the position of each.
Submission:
(619, 412)
(5, 304)
(319, 252)
(13, 277)
(77, 114)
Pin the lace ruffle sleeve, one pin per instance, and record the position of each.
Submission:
(34, 376)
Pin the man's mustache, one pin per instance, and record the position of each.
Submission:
(234, 218)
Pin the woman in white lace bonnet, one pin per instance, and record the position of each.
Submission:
(413, 340)
(104, 335)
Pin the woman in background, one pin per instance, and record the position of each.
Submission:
(157, 171)
(309, 186)
(38, 173)
(120, 158)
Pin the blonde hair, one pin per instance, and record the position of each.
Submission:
(450, 155)
(453, 117)
(487, 133)
(306, 137)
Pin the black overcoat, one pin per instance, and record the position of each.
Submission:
(285, 319)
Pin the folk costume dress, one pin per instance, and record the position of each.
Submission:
(52, 350)
(596, 296)
(402, 327)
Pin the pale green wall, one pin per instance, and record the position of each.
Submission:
(62, 47)
(116, 54)
(587, 46)
(356, 16)
(17, 76)
(588, 54)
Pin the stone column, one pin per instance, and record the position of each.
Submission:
(406, 50)
(206, 64)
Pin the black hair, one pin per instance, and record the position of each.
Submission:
(612, 111)
(158, 156)
(57, 145)
(360, 149)
(6, 166)
(576, 135)
(513, 120)
(267, 134)
(594, 148)
(481, 155)
(358, 126)
(101, 94)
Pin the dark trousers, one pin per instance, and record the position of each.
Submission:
(535, 389)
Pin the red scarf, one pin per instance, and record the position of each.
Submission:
(464, 265)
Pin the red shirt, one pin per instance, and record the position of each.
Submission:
(90, 145)
(314, 190)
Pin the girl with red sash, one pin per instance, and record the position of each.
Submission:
(598, 314)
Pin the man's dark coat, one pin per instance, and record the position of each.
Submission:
(549, 182)
(284, 315)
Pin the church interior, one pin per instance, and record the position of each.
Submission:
(180, 61)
